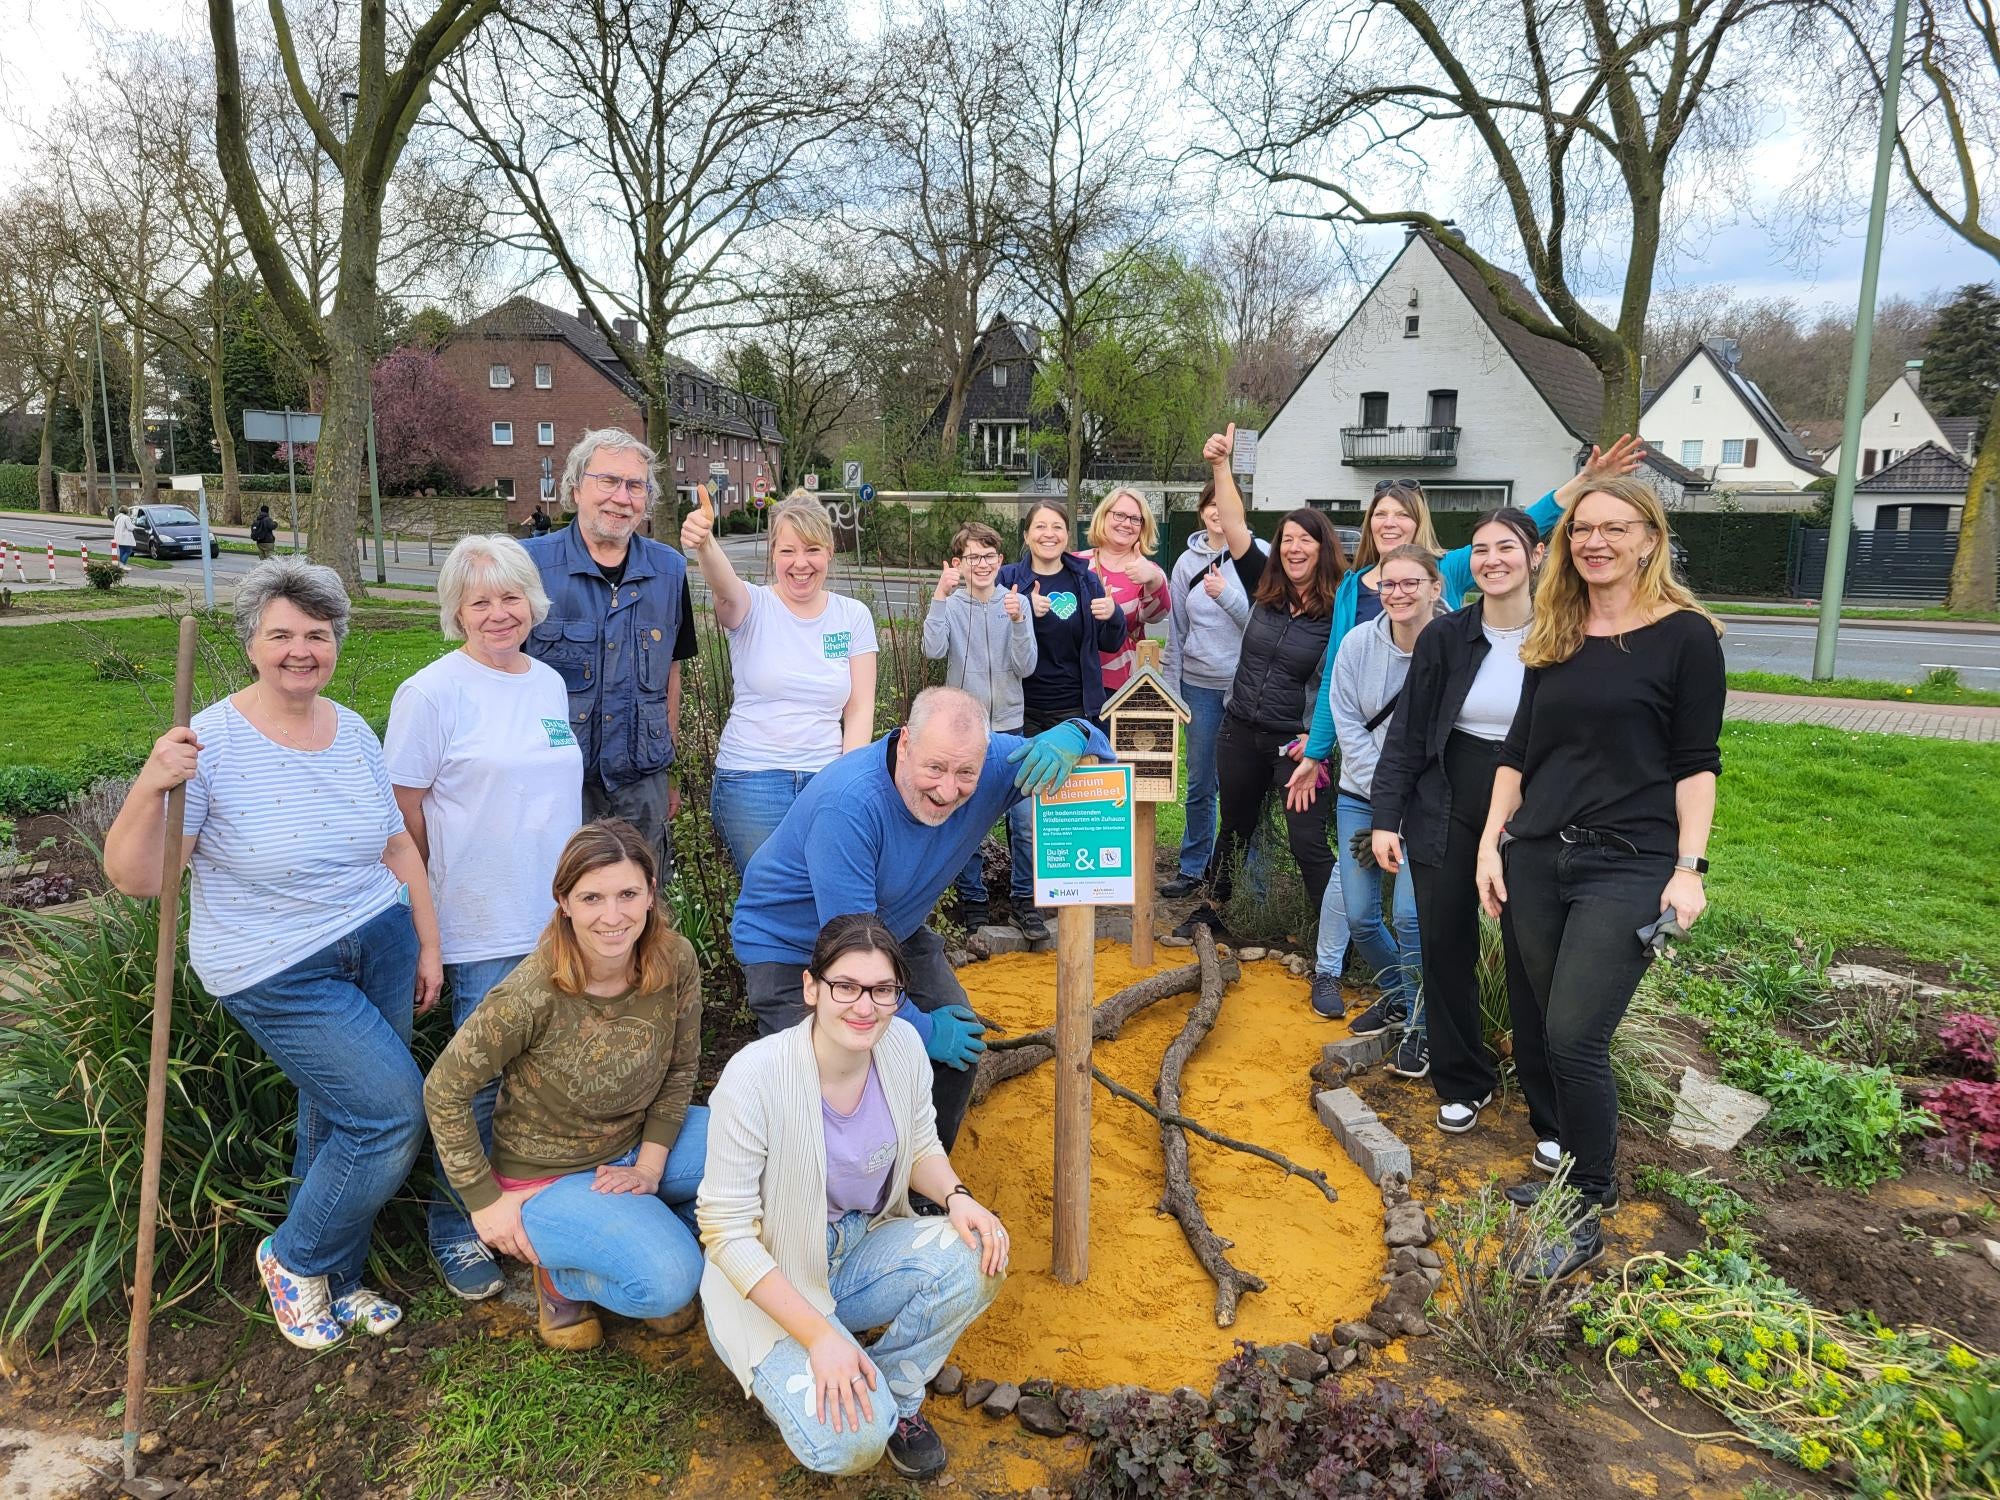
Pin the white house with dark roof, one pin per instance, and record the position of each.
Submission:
(1923, 490)
(1901, 421)
(1428, 380)
(1710, 417)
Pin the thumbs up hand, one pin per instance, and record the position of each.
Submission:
(1102, 607)
(1212, 583)
(1215, 452)
(1013, 604)
(699, 527)
(1041, 603)
(948, 580)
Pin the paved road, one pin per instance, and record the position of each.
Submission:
(33, 532)
(1884, 654)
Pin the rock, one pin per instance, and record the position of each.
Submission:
(976, 1392)
(1359, 1333)
(1406, 1224)
(1296, 1361)
(1041, 1416)
(1991, 1250)
(948, 1381)
(1320, 1344)
(997, 939)
(1433, 1277)
(1039, 1387)
(152, 1441)
(359, 1382)
(1001, 1400)
(1298, 966)
(1712, 1114)
(1395, 1189)
(1250, 954)
(1342, 1357)
(1868, 977)
(1429, 1259)
(1175, 940)
(1413, 1325)
(1949, 1226)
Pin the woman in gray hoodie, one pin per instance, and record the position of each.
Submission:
(1207, 609)
(1368, 673)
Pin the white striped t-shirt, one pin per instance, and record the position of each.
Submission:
(288, 845)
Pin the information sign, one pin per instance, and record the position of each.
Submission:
(1083, 839)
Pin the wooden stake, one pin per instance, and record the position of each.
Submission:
(1076, 962)
(139, 1335)
(1142, 885)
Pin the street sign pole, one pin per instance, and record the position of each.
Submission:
(375, 497)
(199, 485)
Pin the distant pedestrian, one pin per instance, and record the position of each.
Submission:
(539, 522)
(264, 532)
(123, 539)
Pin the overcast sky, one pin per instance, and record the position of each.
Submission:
(48, 51)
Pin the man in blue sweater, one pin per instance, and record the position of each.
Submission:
(885, 829)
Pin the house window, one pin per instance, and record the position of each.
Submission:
(680, 463)
(545, 377)
(999, 376)
(729, 495)
(1867, 462)
(504, 487)
(1895, 419)
(499, 377)
(1410, 326)
(1732, 451)
(1467, 496)
(1443, 409)
(1691, 454)
(503, 434)
(1697, 393)
(545, 434)
(1374, 408)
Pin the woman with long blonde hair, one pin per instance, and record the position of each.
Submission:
(1123, 536)
(1603, 801)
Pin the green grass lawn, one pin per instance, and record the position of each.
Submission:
(1848, 612)
(1862, 687)
(85, 599)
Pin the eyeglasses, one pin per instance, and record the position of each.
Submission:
(613, 483)
(847, 992)
(1400, 585)
(1398, 484)
(1611, 531)
(1127, 518)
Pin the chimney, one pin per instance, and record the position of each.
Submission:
(1914, 369)
(626, 328)
(582, 314)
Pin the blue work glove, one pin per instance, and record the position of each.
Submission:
(1047, 759)
(955, 1037)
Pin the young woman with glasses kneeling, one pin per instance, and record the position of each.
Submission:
(817, 1137)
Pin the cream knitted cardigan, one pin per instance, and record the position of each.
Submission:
(762, 1203)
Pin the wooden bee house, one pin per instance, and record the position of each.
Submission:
(1146, 717)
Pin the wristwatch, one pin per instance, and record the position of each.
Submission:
(1692, 862)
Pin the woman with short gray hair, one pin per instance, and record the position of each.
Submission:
(311, 923)
(480, 741)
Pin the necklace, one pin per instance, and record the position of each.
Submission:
(312, 724)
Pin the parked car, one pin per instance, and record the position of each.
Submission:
(170, 531)
(1350, 540)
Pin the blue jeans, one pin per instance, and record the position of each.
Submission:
(469, 984)
(1397, 961)
(748, 806)
(337, 1023)
(971, 882)
(1021, 852)
(638, 1256)
(917, 1281)
(1205, 718)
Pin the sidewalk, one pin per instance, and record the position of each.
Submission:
(1936, 721)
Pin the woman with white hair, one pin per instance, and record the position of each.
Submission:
(299, 924)
(481, 754)
(803, 660)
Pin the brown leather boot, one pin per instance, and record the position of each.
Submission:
(565, 1324)
(678, 1322)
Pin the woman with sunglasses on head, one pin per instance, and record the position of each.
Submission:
(1398, 516)
(817, 1137)
(1428, 810)
(1602, 807)
(1122, 536)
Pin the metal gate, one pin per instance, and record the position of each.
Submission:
(1912, 565)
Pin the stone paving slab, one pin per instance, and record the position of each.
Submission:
(1938, 721)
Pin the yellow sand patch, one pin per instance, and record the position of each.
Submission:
(1147, 1312)
(1633, 1481)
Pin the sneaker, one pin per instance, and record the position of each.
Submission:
(1584, 1247)
(1179, 886)
(469, 1269)
(915, 1448)
(1456, 1118)
(1034, 926)
(1327, 999)
(1205, 916)
(973, 915)
(1380, 1017)
(302, 1305)
(1528, 1194)
(1413, 1055)
(369, 1311)
(562, 1323)
(1546, 1157)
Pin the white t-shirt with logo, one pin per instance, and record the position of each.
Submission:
(505, 779)
(793, 680)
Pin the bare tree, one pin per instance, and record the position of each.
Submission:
(1583, 117)
(653, 151)
(810, 357)
(44, 314)
(1274, 277)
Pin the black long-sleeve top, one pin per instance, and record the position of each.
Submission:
(1601, 739)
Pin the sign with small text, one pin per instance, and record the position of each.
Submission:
(1083, 839)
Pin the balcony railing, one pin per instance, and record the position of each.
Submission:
(1416, 446)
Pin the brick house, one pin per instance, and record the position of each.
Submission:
(538, 379)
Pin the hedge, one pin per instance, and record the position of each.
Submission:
(17, 487)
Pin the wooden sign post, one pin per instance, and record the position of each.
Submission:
(1146, 716)
(1083, 859)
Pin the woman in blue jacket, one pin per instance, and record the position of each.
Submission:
(1075, 621)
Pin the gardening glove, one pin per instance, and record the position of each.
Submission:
(1047, 759)
(955, 1037)
(1363, 847)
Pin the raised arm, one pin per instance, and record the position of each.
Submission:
(1228, 499)
(731, 596)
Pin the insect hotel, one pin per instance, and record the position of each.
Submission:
(1146, 717)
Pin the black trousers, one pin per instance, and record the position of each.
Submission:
(1250, 766)
(776, 993)
(1577, 910)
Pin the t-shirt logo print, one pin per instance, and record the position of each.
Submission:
(560, 735)
(1062, 605)
(834, 644)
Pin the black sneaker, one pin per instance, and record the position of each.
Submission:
(1205, 916)
(1457, 1117)
(1034, 927)
(918, 1452)
(1380, 1017)
(1179, 886)
(1583, 1248)
(973, 915)
(1546, 1157)
(1413, 1055)
(1327, 1000)
(1528, 1194)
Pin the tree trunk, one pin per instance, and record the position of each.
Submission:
(1973, 582)
(659, 436)
(225, 441)
(1073, 393)
(144, 469)
(1622, 392)
(45, 460)
(340, 459)
(83, 408)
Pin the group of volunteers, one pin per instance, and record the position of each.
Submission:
(1547, 751)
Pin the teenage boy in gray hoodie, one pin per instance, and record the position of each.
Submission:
(986, 637)
(1207, 609)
